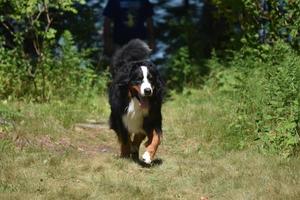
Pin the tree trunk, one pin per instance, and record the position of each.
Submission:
(186, 4)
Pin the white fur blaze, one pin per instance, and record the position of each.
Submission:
(146, 83)
(146, 157)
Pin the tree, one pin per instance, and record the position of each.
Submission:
(34, 54)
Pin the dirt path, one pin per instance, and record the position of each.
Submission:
(96, 131)
(89, 137)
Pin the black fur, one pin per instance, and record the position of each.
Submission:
(125, 63)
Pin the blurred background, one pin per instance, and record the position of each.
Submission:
(187, 33)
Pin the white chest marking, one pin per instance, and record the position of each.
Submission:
(134, 117)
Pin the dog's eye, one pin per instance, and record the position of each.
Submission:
(150, 77)
(136, 81)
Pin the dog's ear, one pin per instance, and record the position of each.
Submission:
(121, 80)
(118, 91)
(159, 85)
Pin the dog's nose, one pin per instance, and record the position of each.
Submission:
(147, 91)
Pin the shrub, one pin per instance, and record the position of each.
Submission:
(13, 73)
(265, 85)
(37, 62)
(182, 71)
(278, 119)
(63, 74)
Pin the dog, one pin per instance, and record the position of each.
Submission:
(135, 97)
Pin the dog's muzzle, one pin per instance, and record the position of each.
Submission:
(147, 92)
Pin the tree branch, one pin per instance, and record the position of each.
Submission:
(8, 28)
(49, 20)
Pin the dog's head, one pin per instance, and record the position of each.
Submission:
(142, 83)
(141, 80)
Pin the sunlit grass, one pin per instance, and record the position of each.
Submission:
(200, 156)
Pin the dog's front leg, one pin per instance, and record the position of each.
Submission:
(152, 144)
(125, 143)
(125, 150)
(137, 140)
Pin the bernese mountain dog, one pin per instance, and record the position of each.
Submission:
(135, 97)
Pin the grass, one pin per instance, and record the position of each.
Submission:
(200, 156)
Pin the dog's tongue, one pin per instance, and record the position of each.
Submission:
(144, 103)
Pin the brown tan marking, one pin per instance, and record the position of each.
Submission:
(153, 142)
(135, 89)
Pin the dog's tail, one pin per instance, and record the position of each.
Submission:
(135, 50)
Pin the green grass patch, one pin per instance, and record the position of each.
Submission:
(54, 118)
(200, 155)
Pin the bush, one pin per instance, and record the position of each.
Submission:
(13, 73)
(265, 85)
(182, 71)
(278, 119)
(63, 74)
(38, 63)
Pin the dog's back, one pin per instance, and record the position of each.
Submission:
(135, 50)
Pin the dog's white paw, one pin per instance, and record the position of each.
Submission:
(146, 158)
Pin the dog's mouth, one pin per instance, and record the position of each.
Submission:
(143, 101)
